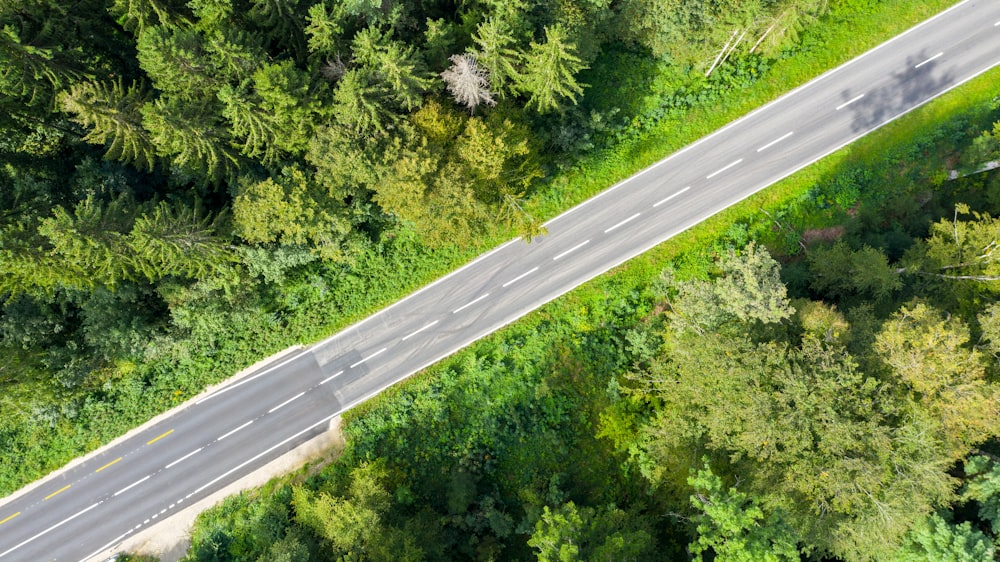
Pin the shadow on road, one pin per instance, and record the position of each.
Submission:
(907, 88)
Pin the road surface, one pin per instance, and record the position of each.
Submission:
(208, 444)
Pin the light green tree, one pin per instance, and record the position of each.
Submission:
(570, 533)
(937, 540)
(549, 72)
(947, 380)
(965, 248)
(291, 209)
(748, 289)
(733, 527)
(113, 115)
(810, 434)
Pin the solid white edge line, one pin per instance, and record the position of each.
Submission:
(266, 452)
(52, 528)
(662, 201)
(573, 249)
(516, 279)
(110, 544)
(723, 169)
(830, 72)
(775, 141)
(286, 402)
(848, 102)
(185, 457)
(764, 107)
(234, 431)
(258, 375)
(132, 485)
(369, 357)
(331, 377)
(929, 60)
(622, 223)
(419, 291)
(470, 303)
(648, 247)
(411, 334)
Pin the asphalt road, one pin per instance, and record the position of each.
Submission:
(206, 445)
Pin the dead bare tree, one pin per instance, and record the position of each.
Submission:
(468, 83)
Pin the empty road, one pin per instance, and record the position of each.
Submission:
(208, 444)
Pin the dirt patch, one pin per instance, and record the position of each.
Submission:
(828, 234)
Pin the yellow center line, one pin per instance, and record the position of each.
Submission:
(59, 491)
(109, 464)
(150, 442)
(9, 518)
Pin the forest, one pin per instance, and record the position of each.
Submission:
(190, 186)
(816, 381)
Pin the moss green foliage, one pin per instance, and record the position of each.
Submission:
(838, 421)
(188, 186)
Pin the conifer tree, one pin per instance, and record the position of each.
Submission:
(137, 15)
(495, 51)
(468, 83)
(361, 105)
(176, 60)
(549, 74)
(189, 135)
(394, 63)
(113, 114)
(175, 239)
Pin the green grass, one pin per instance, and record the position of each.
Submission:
(837, 38)
(834, 41)
(840, 36)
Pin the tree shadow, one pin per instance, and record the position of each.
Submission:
(908, 88)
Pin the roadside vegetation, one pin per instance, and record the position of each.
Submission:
(191, 186)
(810, 375)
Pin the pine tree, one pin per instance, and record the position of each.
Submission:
(495, 51)
(176, 240)
(137, 15)
(190, 136)
(91, 239)
(549, 75)
(361, 105)
(394, 63)
(282, 23)
(30, 72)
(324, 29)
(177, 62)
(113, 114)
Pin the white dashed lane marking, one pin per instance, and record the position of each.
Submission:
(573, 249)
